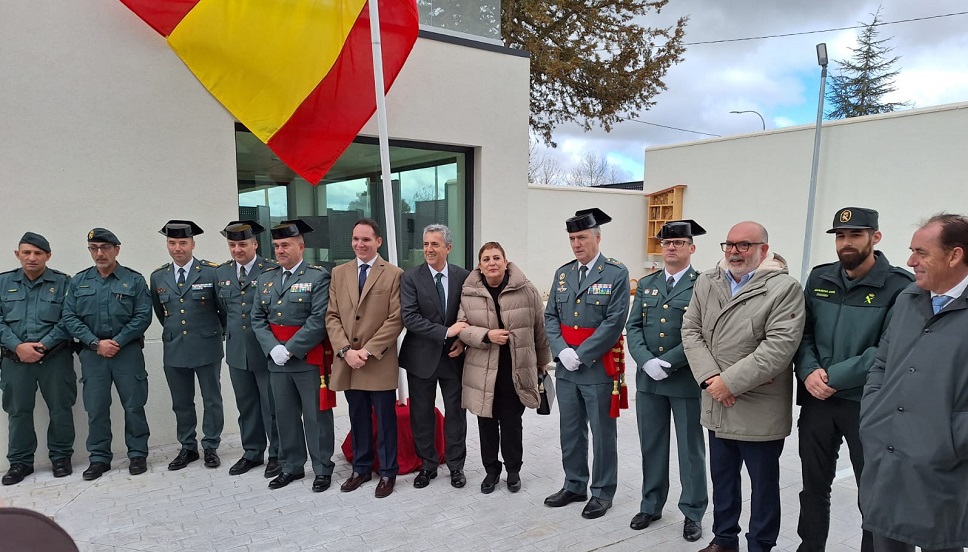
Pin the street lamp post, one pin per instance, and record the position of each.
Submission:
(812, 194)
(762, 120)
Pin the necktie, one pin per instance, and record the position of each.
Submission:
(181, 277)
(285, 276)
(363, 269)
(440, 291)
(670, 283)
(938, 302)
(242, 276)
(581, 274)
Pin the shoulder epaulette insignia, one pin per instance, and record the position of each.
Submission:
(162, 267)
(571, 262)
(228, 262)
(615, 262)
(55, 271)
(12, 270)
(208, 263)
(273, 267)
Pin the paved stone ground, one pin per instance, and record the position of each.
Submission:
(206, 509)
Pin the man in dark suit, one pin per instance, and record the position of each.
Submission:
(248, 368)
(183, 293)
(664, 383)
(432, 354)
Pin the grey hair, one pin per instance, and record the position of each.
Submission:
(443, 229)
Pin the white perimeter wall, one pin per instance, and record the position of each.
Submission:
(102, 125)
(906, 165)
(547, 243)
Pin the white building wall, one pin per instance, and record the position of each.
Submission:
(906, 165)
(102, 125)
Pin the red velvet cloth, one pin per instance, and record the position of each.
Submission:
(406, 453)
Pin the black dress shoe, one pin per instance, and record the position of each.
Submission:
(243, 465)
(563, 498)
(273, 468)
(285, 479)
(17, 473)
(457, 479)
(138, 466)
(692, 530)
(321, 483)
(184, 458)
(211, 459)
(95, 470)
(514, 482)
(355, 481)
(62, 467)
(642, 520)
(490, 481)
(423, 478)
(596, 508)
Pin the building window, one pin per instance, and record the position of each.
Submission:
(431, 184)
(481, 18)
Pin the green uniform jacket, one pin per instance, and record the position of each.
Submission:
(241, 345)
(601, 302)
(191, 316)
(32, 313)
(301, 302)
(654, 330)
(118, 309)
(845, 322)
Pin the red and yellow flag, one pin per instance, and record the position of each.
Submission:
(297, 73)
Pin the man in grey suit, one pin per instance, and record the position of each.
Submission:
(248, 366)
(289, 320)
(432, 354)
(183, 294)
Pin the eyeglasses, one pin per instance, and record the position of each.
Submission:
(104, 248)
(742, 246)
(677, 244)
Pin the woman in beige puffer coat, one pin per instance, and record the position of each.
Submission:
(506, 349)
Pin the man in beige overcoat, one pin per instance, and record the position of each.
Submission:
(363, 323)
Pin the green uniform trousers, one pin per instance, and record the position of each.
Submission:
(302, 423)
(181, 383)
(58, 385)
(591, 402)
(257, 412)
(126, 370)
(653, 413)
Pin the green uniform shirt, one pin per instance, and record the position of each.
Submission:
(31, 311)
(116, 307)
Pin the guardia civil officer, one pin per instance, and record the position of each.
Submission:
(185, 299)
(108, 309)
(849, 305)
(289, 320)
(664, 383)
(36, 353)
(247, 363)
(586, 313)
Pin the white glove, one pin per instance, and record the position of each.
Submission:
(280, 355)
(569, 359)
(654, 368)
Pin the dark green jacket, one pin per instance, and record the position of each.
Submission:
(654, 330)
(845, 322)
(192, 319)
(31, 311)
(117, 307)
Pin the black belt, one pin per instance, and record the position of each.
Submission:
(12, 355)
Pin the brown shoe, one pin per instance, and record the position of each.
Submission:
(355, 481)
(713, 547)
(385, 487)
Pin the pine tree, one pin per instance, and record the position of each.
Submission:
(862, 81)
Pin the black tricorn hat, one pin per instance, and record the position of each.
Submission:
(180, 229)
(854, 218)
(587, 218)
(290, 229)
(242, 230)
(680, 229)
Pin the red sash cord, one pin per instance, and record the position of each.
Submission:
(613, 360)
(321, 355)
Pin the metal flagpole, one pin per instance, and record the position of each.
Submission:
(388, 207)
(381, 117)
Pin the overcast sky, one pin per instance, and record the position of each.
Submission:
(778, 77)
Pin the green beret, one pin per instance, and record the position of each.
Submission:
(103, 235)
(36, 240)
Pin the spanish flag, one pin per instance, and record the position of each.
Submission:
(297, 73)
